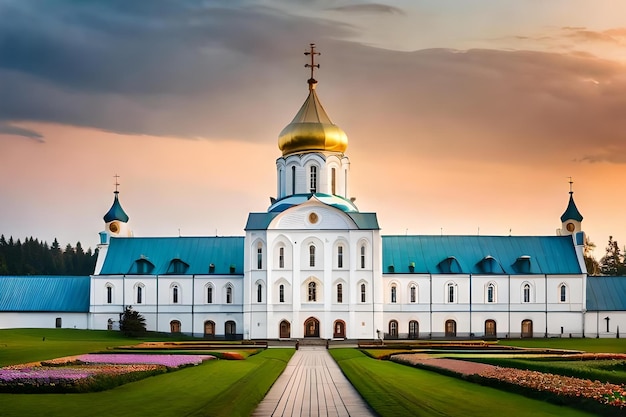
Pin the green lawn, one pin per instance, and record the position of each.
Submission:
(398, 390)
(30, 345)
(587, 344)
(215, 388)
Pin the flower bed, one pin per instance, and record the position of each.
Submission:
(575, 390)
(89, 372)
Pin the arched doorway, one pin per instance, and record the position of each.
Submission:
(450, 328)
(414, 329)
(393, 330)
(230, 330)
(285, 329)
(209, 328)
(490, 328)
(312, 327)
(339, 329)
(527, 328)
(174, 326)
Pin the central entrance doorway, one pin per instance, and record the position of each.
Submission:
(312, 327)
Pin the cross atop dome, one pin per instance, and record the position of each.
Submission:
(312, 81)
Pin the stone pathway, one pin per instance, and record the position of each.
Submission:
(312, 385)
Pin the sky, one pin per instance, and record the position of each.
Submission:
(462, 117)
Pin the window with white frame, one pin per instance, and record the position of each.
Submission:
(312, 291)
(209, 294)
(109, 295)
(563, 293)
(363, 293)
(281, 257)
(394, 291)
(229, 294)
(259, 293)
(491, 293)
(312, 256)
(281, 293)
(362, 256)
(413, 293)
(526, 293)
(175, 294)
(339, 256)
(259, 256)
(339, 293)
(313, 179)
(451, 292)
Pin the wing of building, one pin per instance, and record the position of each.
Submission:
(313, 265)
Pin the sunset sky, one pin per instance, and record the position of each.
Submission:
(463, 117)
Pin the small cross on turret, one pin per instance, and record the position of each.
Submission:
(312, 81)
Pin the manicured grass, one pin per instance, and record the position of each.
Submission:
(30, 345)
(587, 344)
(398, 390)
(215, 388)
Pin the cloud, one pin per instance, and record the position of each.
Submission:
(8, 129)
(369, 8)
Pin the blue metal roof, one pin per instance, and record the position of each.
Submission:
(480, 254)
(261, 221)
(44, 293)
(158, 255)
(116, 212)
(606, 293)
(571, 212)
(336, 201)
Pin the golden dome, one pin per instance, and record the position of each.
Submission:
(312, 130)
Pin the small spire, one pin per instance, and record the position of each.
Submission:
(117, 177)
(312, 81)
(571, 213)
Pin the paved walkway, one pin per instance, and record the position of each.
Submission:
(312, 385)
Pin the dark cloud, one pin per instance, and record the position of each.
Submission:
(368, 8)
(8, 129)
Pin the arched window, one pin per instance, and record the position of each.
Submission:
(393, 293)
(339, 293)
(209, 328)
(450, 328)
(333, 178)
(175, 294)
(293, 180)
(362, 256)
(563, 289)
(312, 291)
(393, 329)
(313, 179)
(109, 288)
(491, 293)
(312, 255)
(414, 329)
(285, 329)
(362, 293)
(229, 295)
(174, 326)
(526, 293)
(413, 294)
(209, 294)
(339, 256)
(259, 256)
(281, 293)
(451, 293)
(259, 293)
(139, 294)
(281, 257)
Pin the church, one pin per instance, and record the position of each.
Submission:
(314, 266)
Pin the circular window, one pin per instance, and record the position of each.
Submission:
(114, 227)
(570, 227)
(313, 218)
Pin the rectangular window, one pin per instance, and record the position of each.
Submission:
(139, 295)
(413, 297)
(563, 293)
(362, 293)
(339, 256)
(490, 294)
(57, 323)
(109, 295)
(333, 176)
(311, 256)
(229, 295)
(339, 293)
(313, 179)
(259, 257)
(209, 295)
(281, 257)
(363, 257)
(450, 293)
(281, 293)
(259, 293)
(393, 294)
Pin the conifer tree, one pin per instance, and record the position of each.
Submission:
(132, 323)
(612, 263)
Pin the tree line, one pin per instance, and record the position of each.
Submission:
(613, 263)
(35, 257)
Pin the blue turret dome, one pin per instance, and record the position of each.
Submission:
(572, 213)
(116, 212)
